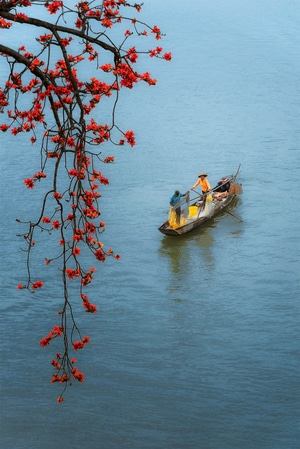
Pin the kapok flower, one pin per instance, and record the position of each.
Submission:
(54, 6)
(20, 16)
(129, 135)
(76, 251)
(100, 255)
(56, 224)
(78, 375)
(45, 341)
(55, 364)
(55, 378)
(109, 159)
(37, 284)
(29, 183)
(89, 307)
(155, 30)
(167, 56)
(57, 195)
(78, 345)
(106, 67)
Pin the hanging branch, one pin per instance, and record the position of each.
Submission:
(62, 104)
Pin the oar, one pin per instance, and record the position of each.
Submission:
(233, 215)
(199, 195)
(196, 192)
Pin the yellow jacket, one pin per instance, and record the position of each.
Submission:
(204, 184)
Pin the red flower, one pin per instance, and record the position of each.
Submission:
(106, 67)
(54, 6)
(100, 255)
(73, 172)
(52, 154)
(107, 23)
(56, 224)
(37, 284)
(46, 37)
(46, 220)
(29, 183)
(55, 364)
(155, 30)
(57, 195)
(109, 159)
(90, 307)
(45, 341)
(78, 345)
(76, 251)
(4, 23)
(84, 297)
(21, 16)
(129, 135)
(60, 399)
(65, 41)
(72, 273)
(78, 23)
(70, 142)
(55, 378)
(57, 330)
(167, 56)
(87, 279)
(78, 375)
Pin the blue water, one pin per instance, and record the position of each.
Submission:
(196, 343)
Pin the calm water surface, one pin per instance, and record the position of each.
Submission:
(196, 343)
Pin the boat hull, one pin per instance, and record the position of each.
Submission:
(197, 222)
(213, 206)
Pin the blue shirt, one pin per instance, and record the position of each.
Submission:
(175, 199)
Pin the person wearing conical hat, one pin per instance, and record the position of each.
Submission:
(203, 181)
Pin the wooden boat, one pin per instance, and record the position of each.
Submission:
(196, 213)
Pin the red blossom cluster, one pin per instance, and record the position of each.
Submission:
(61, 376)
(37, 284)
(53, 6)
(29, 182)
(4, 23)
(81, 344)
(89, 307)
(57, 331)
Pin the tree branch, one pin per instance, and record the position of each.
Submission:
(54, 27)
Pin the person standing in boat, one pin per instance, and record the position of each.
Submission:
(205, 186)
(175, 202)
(203, 181)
